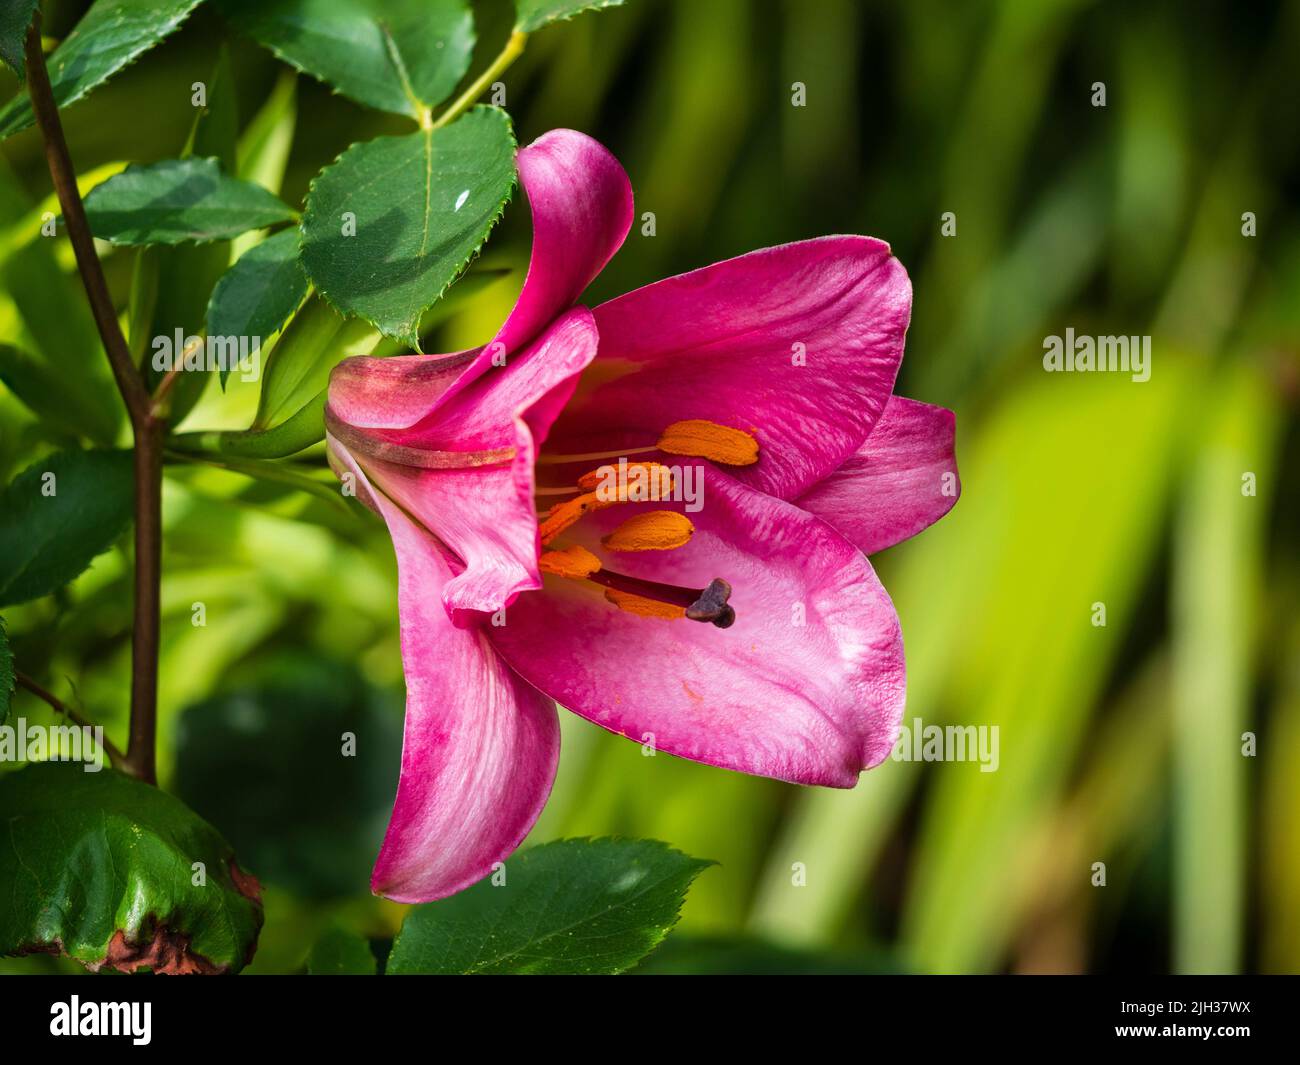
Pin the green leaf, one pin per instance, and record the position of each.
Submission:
(423, 204)
(256, 296)
(534, 14)
(57, 515)
(575, 906)
(112, 35)
(403, 56)
(299, 365)
(180, 200)
(47, 394)
(103, 868)
(6, 673)
(340, 952)
(14, 20)
(292, 435)
(313, 822)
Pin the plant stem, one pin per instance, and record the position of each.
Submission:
(114, 755)
(513, 49)
(145, 427)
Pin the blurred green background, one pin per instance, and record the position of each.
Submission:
(1120, 744)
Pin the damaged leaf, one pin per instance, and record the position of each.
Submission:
(113, 872)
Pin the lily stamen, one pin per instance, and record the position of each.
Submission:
(640, 596)
(696, 437)
(696, 604)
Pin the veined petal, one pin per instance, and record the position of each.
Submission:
(807, 685)
(902, 480)
(484, 512)
(797, 344)
(392, 393)
(480, 746)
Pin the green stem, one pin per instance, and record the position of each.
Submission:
(513, 49)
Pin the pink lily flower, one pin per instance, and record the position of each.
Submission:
(739, 624)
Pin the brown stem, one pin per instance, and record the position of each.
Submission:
(128, 379)
(114, 755)
(145, 427)
(148, 613)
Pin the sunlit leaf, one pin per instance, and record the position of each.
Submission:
(392, 222)
(574, 906)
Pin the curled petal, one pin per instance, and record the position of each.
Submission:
(485, 512)
(581, 202)
(902, 480)
(392, 393)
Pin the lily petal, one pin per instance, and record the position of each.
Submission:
(798, 344)
(484, 511)
(898, 483)
(806, 686)
(392, 393)
(581, 200)
(480, 746)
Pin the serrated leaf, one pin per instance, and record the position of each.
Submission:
(47, 394)
(111, 35)
(575, 906)
(532, 15)
(403, 56)
(6, 674)
(256, 296)
(179, 200)
(14, 20)
(103, 868)
(57, 515)
(423, 204)
(340, 952)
